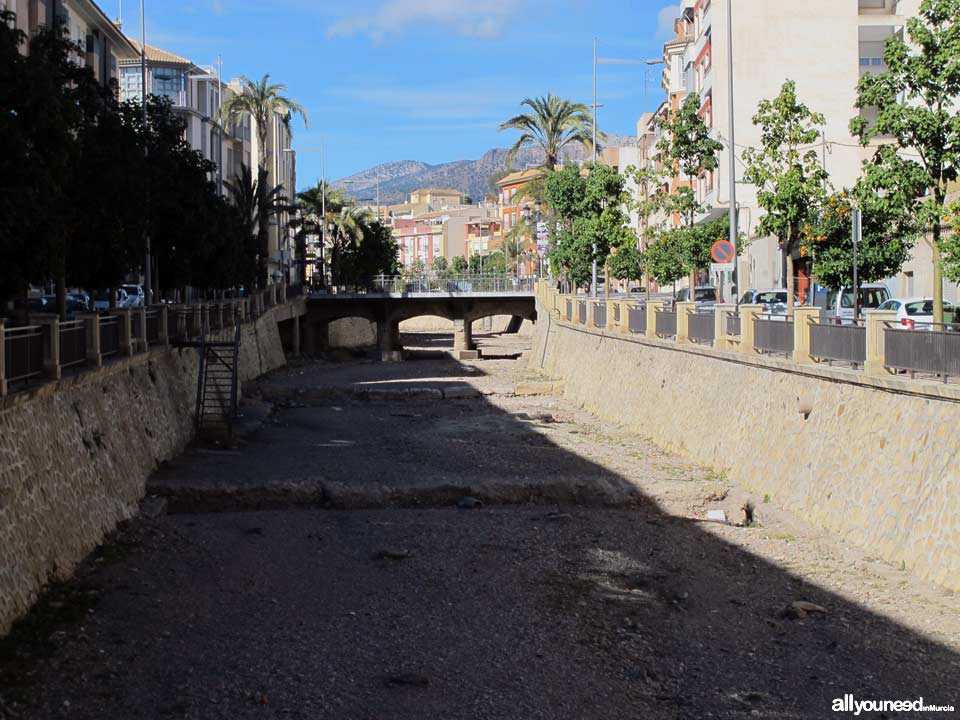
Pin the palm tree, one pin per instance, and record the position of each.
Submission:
(257, 203)
(551, 125)
(261, 100)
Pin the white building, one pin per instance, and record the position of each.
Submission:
(824, 46)
(103, 45)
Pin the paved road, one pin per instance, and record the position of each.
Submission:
(583, 590)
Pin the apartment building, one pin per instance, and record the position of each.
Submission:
(483, 236)
(825, 46)
(195, 93)
(103, 45)
(445, 233)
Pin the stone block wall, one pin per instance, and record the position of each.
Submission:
(75, 456)
(879, 467)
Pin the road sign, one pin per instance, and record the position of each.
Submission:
(721, 267)
(722, 251)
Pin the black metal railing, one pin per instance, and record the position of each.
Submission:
(934, 351)
(569, 314)
(666, 323)
(701, 327)
(834, 342)
(153, 327)
(637, 319)
(23, 352)
(600, 314)
(773, 336)
(109, 335)
(73, 343)
(733, 324)
(582, 311)
(616, 313)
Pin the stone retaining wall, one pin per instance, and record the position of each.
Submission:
(879, 467)
(75, 456)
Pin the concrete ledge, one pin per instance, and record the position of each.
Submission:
(920, 388)
(467, 354)
(538, 388)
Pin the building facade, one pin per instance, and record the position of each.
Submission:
(825, 47)
(103, 45)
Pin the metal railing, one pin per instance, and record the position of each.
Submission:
(600, 314)
(732, 324)
(109, 335)
(73, 343)
(582, 311)
(616, 313)
(153, 327)
(773, 336)
(637, 319)
(835, 342)
(666, 323)
(442, 285)
(23, 352)
(702, 326)
(934, 351)
(569, 314)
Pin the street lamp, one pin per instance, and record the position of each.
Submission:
(607, 61)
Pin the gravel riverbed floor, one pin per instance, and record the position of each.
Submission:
(323, 569)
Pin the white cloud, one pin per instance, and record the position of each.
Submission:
(486, 19)
(665, 19)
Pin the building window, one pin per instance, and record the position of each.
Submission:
(167, 81)
(131, 83)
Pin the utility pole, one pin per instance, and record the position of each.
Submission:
(220, 124)
(148, 260)
(593, 280)
(733, 155)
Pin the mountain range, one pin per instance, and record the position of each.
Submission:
(398, 179)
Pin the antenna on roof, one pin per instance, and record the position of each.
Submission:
(119, 20)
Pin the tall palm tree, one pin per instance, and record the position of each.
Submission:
(257, 203)
(261, 100)
(551, 125)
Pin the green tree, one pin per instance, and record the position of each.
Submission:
(888, 232)
(261, 100)
(650, 201)
(259, 204)
(417, 267)
(460, 265)
(551, 125)
(786, 171)
(664, 257)
(687, 144)
(440, 266)
(916, 101)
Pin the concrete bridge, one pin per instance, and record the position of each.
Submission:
(388, 310)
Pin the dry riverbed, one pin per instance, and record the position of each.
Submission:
(418, 541)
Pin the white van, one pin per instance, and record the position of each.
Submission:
(840, 302)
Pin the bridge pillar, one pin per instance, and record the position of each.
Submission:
(388, 341)
(463, 346)
(295, 337)
(317, 336)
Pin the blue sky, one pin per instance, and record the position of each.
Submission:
(426, 80)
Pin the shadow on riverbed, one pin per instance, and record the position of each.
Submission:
(567, 594)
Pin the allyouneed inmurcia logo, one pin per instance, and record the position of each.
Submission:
(849, 704)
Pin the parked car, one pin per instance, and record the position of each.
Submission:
(839, 303)
(134, 295)
(101, 300)
(918, 311)
(774, 300)
(703, 296)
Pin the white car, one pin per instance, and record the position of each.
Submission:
(134, 296)
(840, 302)
(917, 311)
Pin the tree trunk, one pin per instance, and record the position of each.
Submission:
(937, 276)
(788, 251)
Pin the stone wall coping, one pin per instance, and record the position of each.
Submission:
(920, 388)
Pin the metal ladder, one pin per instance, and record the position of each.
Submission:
(217, 385)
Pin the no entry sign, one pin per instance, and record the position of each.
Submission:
(722, 251)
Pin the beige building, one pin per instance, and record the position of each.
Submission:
(825, 46)
(103, 44)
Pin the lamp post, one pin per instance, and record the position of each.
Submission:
(733, 156)
(148, 259)
(607, 61)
